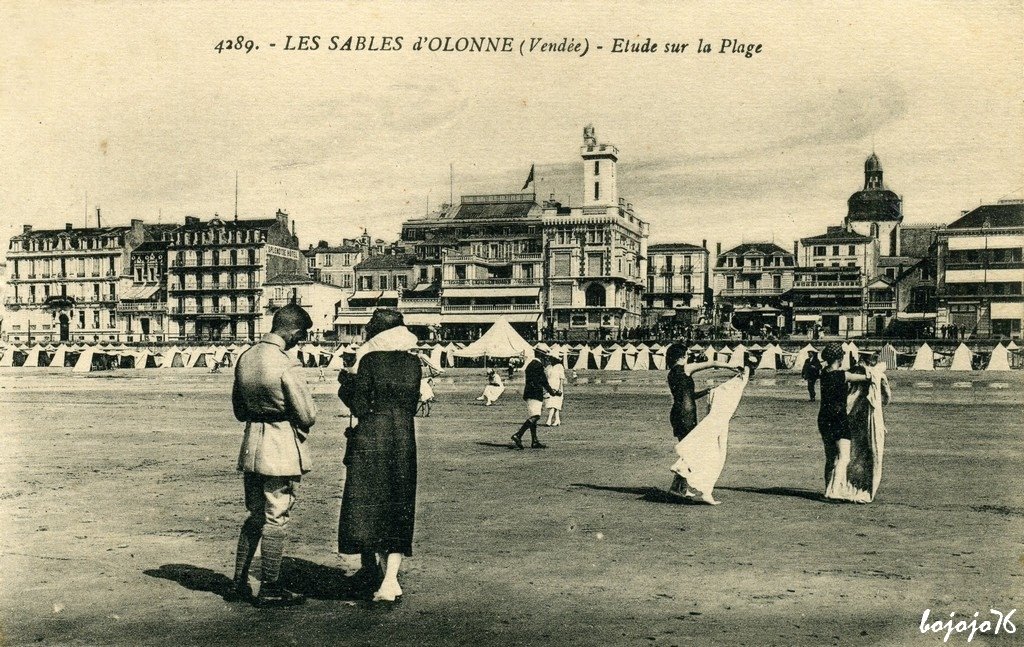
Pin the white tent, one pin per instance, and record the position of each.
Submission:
(200, 357)
(60, 356)
(85, 360)
(436, 354)
(1000, 359)
(500, 340)
(962, 359)
(925, 359)
(888, 356)
(801, 357)
(582, 359)
(33, 356)
(658, 358)
(614, 362)
(643, 359)
(8, 358)
(739, 356)
(710, 353)
(771, 359)
(173, 357)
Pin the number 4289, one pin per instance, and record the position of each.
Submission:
(239, 43)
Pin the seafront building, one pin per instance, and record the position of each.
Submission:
(217, 272)
(677, 293)
(981, 271)
(65, 284)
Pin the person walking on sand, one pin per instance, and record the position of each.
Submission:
(533, 393)
(271, 397)
(811, 372)
(555, 374)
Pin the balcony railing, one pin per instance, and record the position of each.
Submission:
(498, 259)
(176, 264)
(191, 287)
(419, 305)
(751, 292)
(451, 283)
(882, 305)
(200, 310)
(491, 307)
(280, 303)
(142, 306)
(826, 284)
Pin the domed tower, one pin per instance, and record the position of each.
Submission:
(875, 210)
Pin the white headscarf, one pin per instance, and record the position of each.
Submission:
(392, 339)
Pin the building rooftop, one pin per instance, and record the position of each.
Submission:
(838, 235)
(290, 278)
(496, 207)
(1008, 214)
(153, 246)
(341, 249)
(387, 262)
(252, 223)
(767, 249)
(81, 232)
(674, 247)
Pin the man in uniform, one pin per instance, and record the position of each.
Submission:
(271, 397)
(533, 394)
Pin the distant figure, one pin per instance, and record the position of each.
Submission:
(322, 376)
(494, 388)
(426, 395)
(811, 372)
(216, 367)
(555, 374)
(271, 397)
(533, 393)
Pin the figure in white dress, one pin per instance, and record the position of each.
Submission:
(555, 373)
(702, 452)
(494, 388)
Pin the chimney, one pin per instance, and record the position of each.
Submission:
(704, 244)
(99, 223)
(191, 220)
(718, 249)
(796, 248)
(26, 228)
(67, 226)
(293, 229)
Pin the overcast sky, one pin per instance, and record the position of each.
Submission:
(133, 107)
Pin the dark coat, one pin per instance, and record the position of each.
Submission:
(536, 381)
(378, 507)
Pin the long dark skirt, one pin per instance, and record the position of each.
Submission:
(378, 507)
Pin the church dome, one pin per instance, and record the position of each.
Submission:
(876, 205)
(872, 163)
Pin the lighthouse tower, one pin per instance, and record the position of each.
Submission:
(600, 188)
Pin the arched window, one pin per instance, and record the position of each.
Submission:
(595, 295)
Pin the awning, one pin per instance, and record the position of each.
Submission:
(371, 295)
(140, 292)
(514, 317)
(500, 291)
(764, 309)
(352, 319)
(422, 319)
(421, 287)
(1002, 310)
(806, 317)
(911, 316)
(389, 294)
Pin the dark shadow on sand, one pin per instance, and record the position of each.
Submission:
(299, 575)
(810, 495)
(648, 494)
(500, 445)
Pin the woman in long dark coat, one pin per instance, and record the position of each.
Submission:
(378, 507)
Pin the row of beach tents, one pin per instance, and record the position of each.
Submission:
(502, 342)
